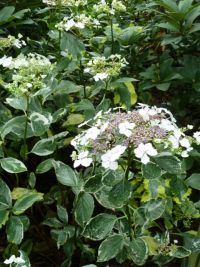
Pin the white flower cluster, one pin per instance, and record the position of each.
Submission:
(65, 3)
(140, 131)
(74, 21)
(103, 68)
(22, 61)
(104, 7)
(12, 41)
(29, 72)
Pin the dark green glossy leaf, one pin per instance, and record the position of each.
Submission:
(170, 164)
(44, 147)
(151, 171)
(26, 201)
(110, 247)
(194, 181)
(12, 165)
(15, 230)
(65, 174)
(99, 226)
(138, 251)
(5, 196)
(84, 208)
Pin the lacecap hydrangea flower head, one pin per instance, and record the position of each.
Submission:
(29, 72)
(142, 133)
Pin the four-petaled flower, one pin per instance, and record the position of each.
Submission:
(126, 127)
(83, 160)
(109, 159)
(143, 151)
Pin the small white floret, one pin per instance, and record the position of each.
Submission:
(100, 76)
(126, 127)
(14, 259)
(143, 151)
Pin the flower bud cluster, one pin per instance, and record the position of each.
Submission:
(144, 132)
(65, 3)
(29, 72)
(104, 7)
(103, 68)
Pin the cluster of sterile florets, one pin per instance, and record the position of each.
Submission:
(104, 7)
(76, 22)
(65, 3)
(28, 72)
(6, 42)
(103, 68)
(143, 133)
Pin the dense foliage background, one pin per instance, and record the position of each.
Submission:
(45, 204)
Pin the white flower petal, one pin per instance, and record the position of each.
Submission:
(185, 142)
(150, 150)
(77, 163)
(145, 159)
(184, 154)
(86, 162)
(139, 151)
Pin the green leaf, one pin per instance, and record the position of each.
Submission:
(84, 208)
(26, 201)
(192, 15)
(16, 126)
(44, 147)
(4, 215)
(154, 209)
(71, 44)
(6, 13)
(5, 196)
(53, 223)
(132, 92)
(15, 230)
(191, 242)
(40, 122)
(18, 192)
(170, 164)
(74, 119)
(119, 194)
(65, 174)
(170, 5)
(184, 5)
(90, 265)
(194, 181)
(68, 87)
(110, 247)
(130, 35)
(168, 26)
(151, 171)
(152, 244)
(93, 184)
(99, 226)
(45, 166)
(163, 86)
(62, 214)
(62, 235)
(102, 197)
(12, 165)
(181, 252)
(17, 102)
(138, 251)
(125, 95)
